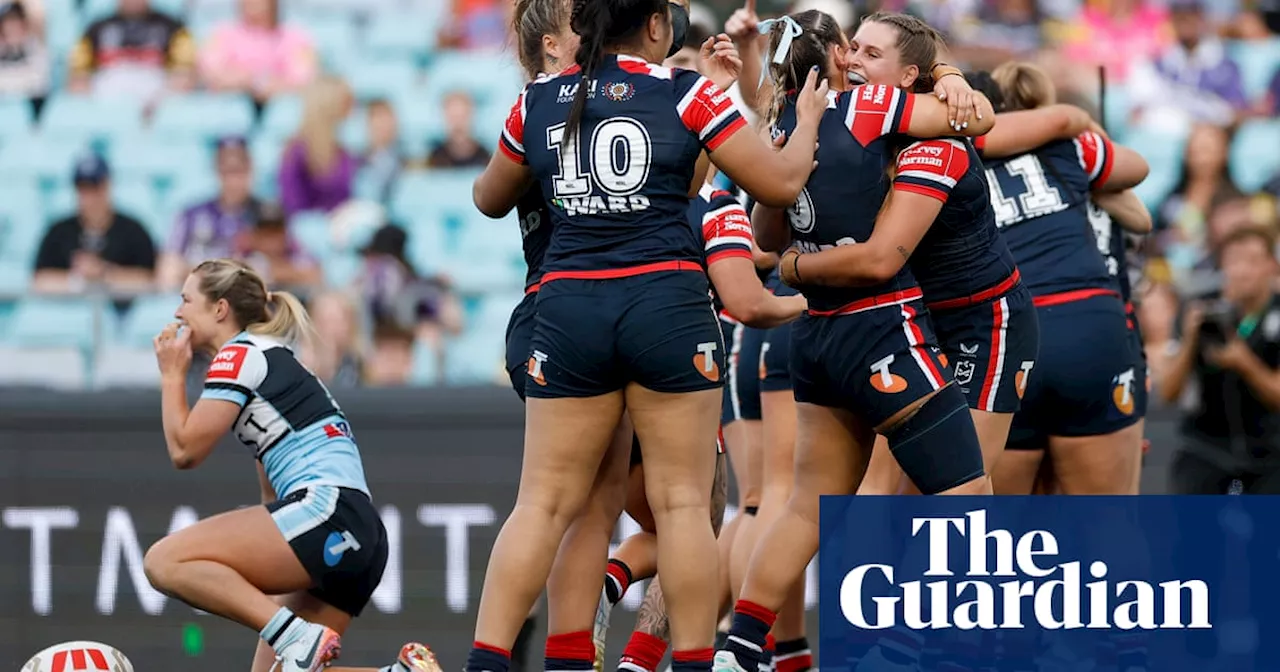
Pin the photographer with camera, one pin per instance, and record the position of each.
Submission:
(1224, 365)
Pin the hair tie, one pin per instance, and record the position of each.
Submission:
(791, 30)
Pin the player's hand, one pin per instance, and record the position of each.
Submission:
(742, 24)
(961, 103)
(811, 102)
(718, 59)
(173, 351)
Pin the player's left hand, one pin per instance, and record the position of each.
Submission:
(1233, 356)
(958, 95)
(718, 59)
(173, 351)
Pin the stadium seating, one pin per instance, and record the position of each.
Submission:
(37, 366)
(1254, 157)
(55, 322)
(85, 118)
(203, 116)
(145, 319)
(121, 367)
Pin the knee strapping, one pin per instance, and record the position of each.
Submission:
(938, 447)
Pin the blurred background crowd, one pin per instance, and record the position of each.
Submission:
(332, 144)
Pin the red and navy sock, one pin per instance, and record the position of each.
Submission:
(570, 652)
(692, 660)
(770, 648)
(793, 655)
(644, 653)
(487, 658)
(750, 633)
(617, 579)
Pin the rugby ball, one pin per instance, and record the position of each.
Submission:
(79, 657)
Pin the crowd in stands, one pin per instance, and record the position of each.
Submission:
(331, 144)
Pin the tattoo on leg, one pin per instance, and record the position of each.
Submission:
(719, 493)
(652, 619)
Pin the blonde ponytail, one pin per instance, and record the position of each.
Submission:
(1025, 86)
(287, 319)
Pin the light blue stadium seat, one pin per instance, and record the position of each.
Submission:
(341, 269)
(188, 190)
(47, 157)
(146, 317)
(481, 276)
(1164, 154)
(475, 358)
(53, 322)
(15, 277)
(266, 153)
(196, 116)
(159, 160)
(355, 131)
(22, 223)
(332, 34)
(15, 118)
(426, 365)
(434, 191)
(455, 71)
(495, 310)
(1259, 61)
(117, 367)
(398, 34)
(427, 246)
(1254, 158)
(380, 78)
(1117, 113)
(482, 238)
(420, 119)
(42, 367)
(281, 117)
(79, 117)
(311, 230)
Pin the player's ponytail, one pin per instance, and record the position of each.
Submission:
(1025, 86)
(279, 315)
(797, 43)
(601, 24)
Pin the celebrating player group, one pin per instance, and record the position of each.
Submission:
(920, 288)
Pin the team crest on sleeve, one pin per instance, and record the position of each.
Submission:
(619, 91)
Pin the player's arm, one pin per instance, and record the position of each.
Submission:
(899, 229)
(726, 234)
(1110, 167)
(497, 190)
(769, 226)
(1126, 209)
(1022, 131)
(774, 178)
(191, 434)
(927, 117)
(1128, 170)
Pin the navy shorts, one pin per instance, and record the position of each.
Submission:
(519, 338)
(875, 362)
(991, 347)
(1085, 380)
(741, 385)
(592, 337)
(340, 540)
(1142, 380)
(775, 359)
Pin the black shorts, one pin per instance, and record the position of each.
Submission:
(338, 535)
(775, 360)
(741, 385)
(519, 336)
(593, 337)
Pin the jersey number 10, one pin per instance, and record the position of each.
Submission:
(620, 154)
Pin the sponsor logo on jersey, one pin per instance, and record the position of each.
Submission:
(338, 429)
(226, 364)
(568, 91)
(884, 380)
(705, 361)
(597, 205)
(619, 91)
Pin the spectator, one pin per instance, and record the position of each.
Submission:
(274, 254)
(316, 173)
(1205, 183)
(391, 358)
(136, 52)
(1115, 34)
(397, 295)
(1192, 80)
(1000, 31)
(334, 353)
(34, 10)
(383, 159)
(209, 230)
(24, 61)
(477, 25)
(1227, 349)
(257, 55)
(97, 245)
(460, 149)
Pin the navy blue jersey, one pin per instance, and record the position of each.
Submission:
(1041, 202)
(618, 194)
(535, 232)
(1110, 239)
(962, 254)
(839, 204)
(721, 223)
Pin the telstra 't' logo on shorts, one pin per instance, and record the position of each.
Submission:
(705, 361)
(764, 368)
(535, 367)
(1026, 581)
(1020, 378)
(884, 380)
(1122, 392)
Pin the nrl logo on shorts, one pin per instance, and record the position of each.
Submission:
(619, 92)
(964, 371)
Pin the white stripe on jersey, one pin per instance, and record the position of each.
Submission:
(916, 345)
(689, 97)
(895, 98)
(728, 240)
(715, 123)
(926, 175)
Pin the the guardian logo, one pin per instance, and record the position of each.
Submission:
(1054, 595)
